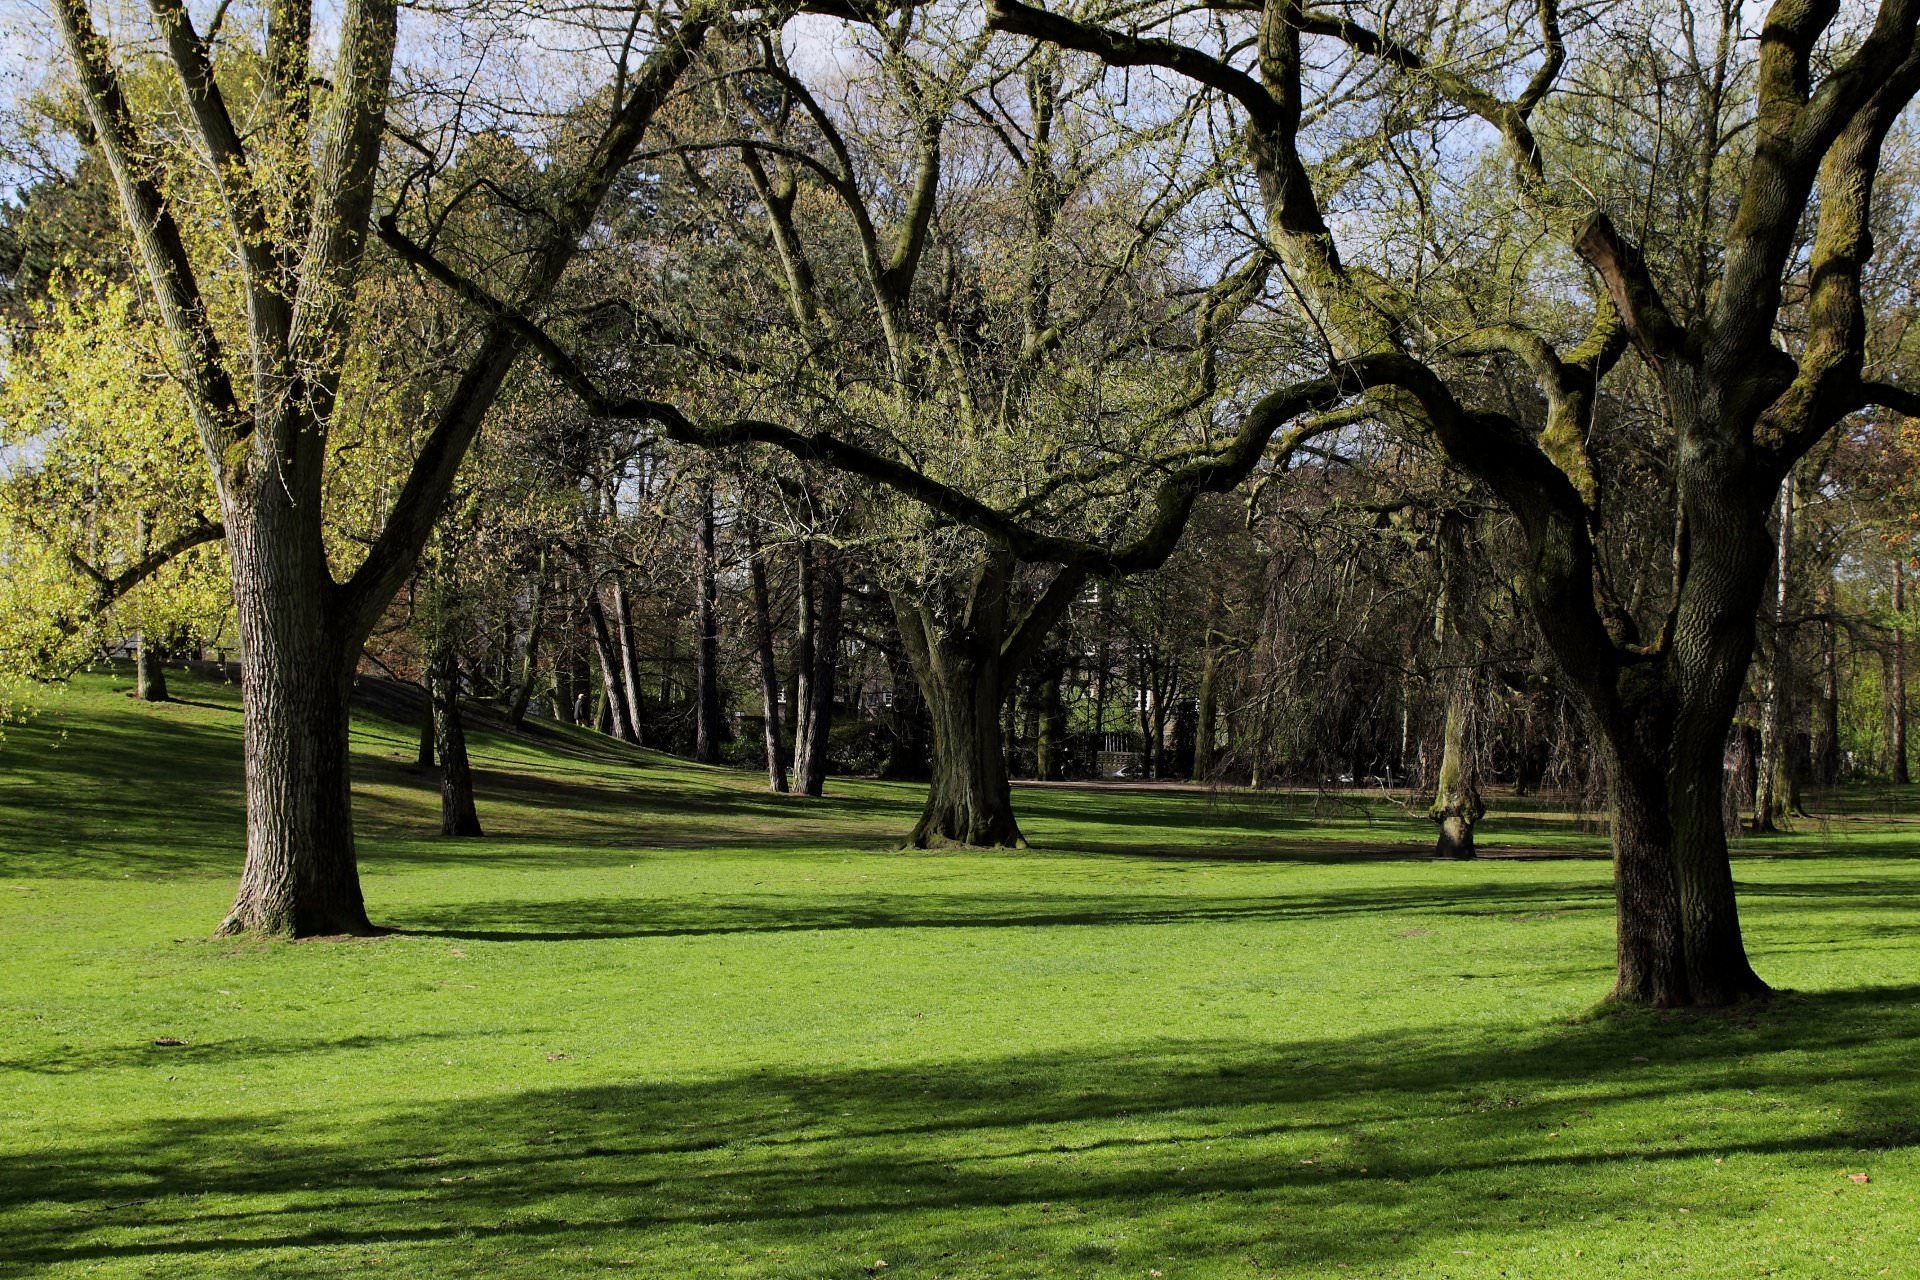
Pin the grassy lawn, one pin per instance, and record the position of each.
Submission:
(660, 1023)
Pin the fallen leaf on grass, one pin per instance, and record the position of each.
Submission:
(1861, 1178)
(170, 1042)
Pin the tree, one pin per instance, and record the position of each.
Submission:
(1742, 408)
(290, 185)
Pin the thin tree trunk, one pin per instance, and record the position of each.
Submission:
(1897, 683)
(458, 817)
(1770, 801)
(530, 649)
(1207, 719)
(424, 757)
(810, 751)
(707, 727)
(769, 672)
(1827, 749)
(800, 688)
(1050, 739)
(622, 623)
(613, 711)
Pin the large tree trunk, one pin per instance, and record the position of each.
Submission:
(707, 728)
(961, 680)
(301, 877)
(769, 672)
(458, 817)
(965, 656)
(149, 676)
(1771, 810)
(811, 747)
(1649, 946)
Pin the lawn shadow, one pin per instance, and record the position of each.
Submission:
(1363, 1150)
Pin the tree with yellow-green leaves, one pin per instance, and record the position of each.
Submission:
(107, 520)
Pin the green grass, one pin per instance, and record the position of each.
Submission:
(662, 1024)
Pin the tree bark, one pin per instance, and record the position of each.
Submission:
(769, 672)
(970, 801)
(458, 817)
(1050, 739)
(301, 876)
(708, 729)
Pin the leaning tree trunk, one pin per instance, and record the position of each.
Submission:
(458, 817)
(623, 638)
(614, 710)
(301, 876)
(769, 672)
(149, 676)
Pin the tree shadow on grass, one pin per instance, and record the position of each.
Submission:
(1363, 1151)
(585, 919)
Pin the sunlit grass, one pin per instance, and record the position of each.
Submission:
(664, 1024)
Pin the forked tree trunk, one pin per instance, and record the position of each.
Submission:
(301, 876)
(707, 728)
(149, 676)
(613, 711)
(769, 672)
(458, 817)
(970, 801)
(965, 658)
